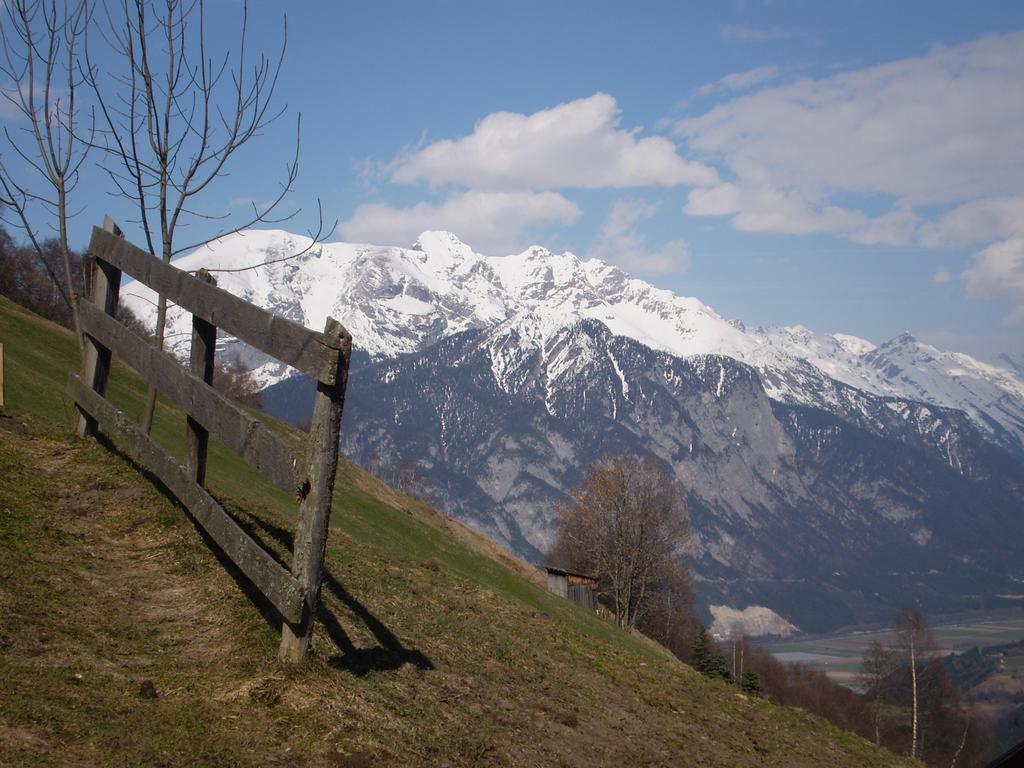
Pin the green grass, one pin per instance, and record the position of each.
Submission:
(969, 637)
(36, 374)
(430, 649)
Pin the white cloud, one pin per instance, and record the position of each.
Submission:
(977, 221)
(897, 227)
(940, 129)
(578, 144)
(753, 34)
(763, 208)
(14, 100)
(9, 104)
(998, 271)
(741, 81)
(942, 275)
(719, 200)
(620, 241)
(766, 209)
(492, 222)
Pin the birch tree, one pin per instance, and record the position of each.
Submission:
(875, 668)
(913, 638)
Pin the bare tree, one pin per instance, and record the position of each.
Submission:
(738, 639)
(968, 717)
(875, 669)
(237, 381)
(913, 637)
(173, 119)
(25, 277)
(372, 463)
(410, 480)
(40, 44)
(670, 617)
(625, 523)
(946, 716)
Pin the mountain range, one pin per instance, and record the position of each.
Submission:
(827, 480)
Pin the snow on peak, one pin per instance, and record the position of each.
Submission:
(398, 300)
(853, 344)
(903, 367)
(444, 246)
(434, 237)
(539, 252)
(905, 339)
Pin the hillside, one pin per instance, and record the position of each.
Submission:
(808, 459)
(826, 520)
(125, 642)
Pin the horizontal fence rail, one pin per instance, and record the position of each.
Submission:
(277, 456)
(305, 469)
(279, 586)
(309, 351)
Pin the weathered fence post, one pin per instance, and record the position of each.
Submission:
(309, 472)
(315, 511)
(106, 283)
(204, 345)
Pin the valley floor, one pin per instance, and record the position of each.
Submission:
(839, 655)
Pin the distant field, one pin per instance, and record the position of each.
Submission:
(839, 656)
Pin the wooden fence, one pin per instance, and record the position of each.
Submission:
(306, 471)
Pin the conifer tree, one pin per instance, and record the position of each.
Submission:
(699, 651)
(750, 683)
(707, 659)
(716, 666)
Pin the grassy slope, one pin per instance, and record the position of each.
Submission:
(431, 650)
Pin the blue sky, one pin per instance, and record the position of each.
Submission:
(854, 167)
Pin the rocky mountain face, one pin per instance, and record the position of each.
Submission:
(827, 479)
(401, 300)
(827, 520)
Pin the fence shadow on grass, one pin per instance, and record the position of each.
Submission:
(388, 654)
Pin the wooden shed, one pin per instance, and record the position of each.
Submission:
(578, 587)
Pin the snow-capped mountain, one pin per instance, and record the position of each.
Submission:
(393, 300)
(827, 518)
(908, 368)
(398, 300)
(827, 479)
(402, 300)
